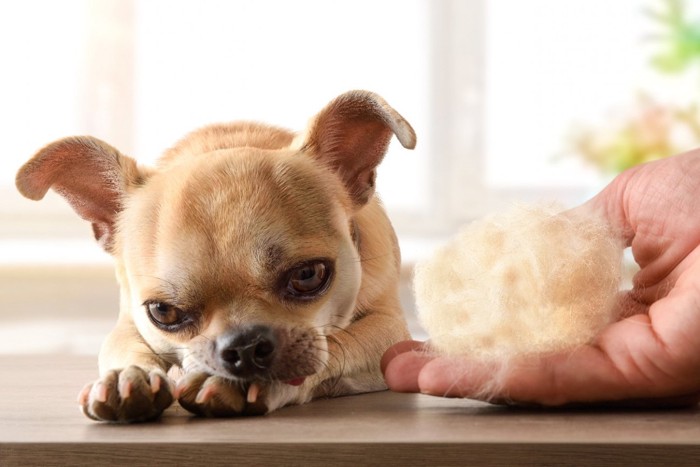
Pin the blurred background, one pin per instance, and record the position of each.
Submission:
(512, 100)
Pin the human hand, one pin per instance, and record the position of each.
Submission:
(651, 356)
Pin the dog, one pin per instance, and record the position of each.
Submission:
(256, 260)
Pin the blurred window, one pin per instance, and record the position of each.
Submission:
(493, 88)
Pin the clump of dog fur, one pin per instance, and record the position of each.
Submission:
(530, 280)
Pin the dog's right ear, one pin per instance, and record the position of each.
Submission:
(90, 174)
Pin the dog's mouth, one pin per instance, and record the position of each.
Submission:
(296, 381)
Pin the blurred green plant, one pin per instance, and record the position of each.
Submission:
(649, 129)
(680, 38)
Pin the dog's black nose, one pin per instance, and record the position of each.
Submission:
(249, 351)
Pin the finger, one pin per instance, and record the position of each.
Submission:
(651, 207)
(649, 289)
(584, 375)
(629, 304)
(447, 378)
(453, 377)
(609, 204)
(402, 372)
(397, 349)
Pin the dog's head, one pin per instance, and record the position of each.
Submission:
(238, 253)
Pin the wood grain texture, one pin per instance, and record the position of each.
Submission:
(40, 425)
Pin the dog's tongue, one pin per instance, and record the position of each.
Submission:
(296, 381)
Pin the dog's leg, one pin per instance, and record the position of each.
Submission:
(352, 367)
(355, 353)
(353, 364)
(133, 385)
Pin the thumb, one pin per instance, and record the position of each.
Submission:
(611, 205)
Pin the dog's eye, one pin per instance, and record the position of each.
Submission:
(166, 316)
(309, 279)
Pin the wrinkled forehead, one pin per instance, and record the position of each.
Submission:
(251, 189)
(238, 209)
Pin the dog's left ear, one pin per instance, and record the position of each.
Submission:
(351, 135)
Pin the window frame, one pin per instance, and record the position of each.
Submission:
(454, 144)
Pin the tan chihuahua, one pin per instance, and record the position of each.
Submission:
(257, 260)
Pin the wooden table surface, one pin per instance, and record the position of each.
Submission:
(40, 425)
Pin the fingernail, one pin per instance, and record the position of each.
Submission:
(205, 394)
(83, 394)
(99, 392)
(125, 389)
(155, 383)
(253, 392)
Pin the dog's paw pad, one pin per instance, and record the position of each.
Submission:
(128, 395)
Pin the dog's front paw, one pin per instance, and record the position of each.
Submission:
(214, 396)
(128, 395)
